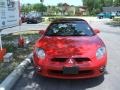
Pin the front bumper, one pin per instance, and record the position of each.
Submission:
(82, 74)
(86, 70)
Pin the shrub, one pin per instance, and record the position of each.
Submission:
(116, 21)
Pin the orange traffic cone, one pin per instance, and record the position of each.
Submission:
(21, 41)
(2, 53)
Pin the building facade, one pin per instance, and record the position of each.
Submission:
(111, 9)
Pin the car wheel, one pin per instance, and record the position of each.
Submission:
(101, 17)
(35, 22)
(38, 21)
(111, 17)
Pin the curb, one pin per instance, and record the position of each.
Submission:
(9, 82)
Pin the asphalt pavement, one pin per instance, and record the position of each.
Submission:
(111, 81)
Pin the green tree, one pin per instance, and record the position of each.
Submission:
(60, 6)
(63, 8)
(95, 6)
(108, 3)
(26, 8)
(39, 7)
(52, 10)
(116, 2)
(91, 5)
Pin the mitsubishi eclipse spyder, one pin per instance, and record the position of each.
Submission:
(70, 49)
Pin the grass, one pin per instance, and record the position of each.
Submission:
(19, 54)
(115, 22)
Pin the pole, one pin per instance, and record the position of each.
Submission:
(0, 42)
(41, 1)
(20, 22)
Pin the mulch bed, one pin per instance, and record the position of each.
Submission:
(10, 42)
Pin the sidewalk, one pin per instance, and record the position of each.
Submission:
(25, 27)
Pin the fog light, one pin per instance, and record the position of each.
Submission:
(38, 69)
(102, 69)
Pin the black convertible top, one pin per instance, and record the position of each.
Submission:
(67, 20)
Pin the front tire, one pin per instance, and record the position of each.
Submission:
(101, 17)
(111, 17)
(28, 22)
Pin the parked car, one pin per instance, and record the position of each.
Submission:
(34, 17)
(70, 49)
(118, 13)
(106, 15)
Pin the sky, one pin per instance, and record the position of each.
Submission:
(54, 2)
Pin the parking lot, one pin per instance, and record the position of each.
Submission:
(94, 21)
(111, 80)
(25, 27)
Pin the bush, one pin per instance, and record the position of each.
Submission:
(117, 20)
(114, 22)
(9, 47)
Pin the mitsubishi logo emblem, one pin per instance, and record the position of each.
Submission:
(70, 61)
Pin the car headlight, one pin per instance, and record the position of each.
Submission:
(40, 53)
(100, 52)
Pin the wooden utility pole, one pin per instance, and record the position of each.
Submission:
(0, 40)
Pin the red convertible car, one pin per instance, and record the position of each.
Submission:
(70, 49)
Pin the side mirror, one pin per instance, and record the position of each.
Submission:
(41, 32)
(96, 31)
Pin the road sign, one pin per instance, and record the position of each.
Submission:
(9, 13)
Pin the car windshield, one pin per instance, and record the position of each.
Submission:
(77, 28)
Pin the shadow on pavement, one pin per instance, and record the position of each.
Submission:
(113, 25)
(30, 81)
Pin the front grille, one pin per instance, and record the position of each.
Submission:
(81, 59)
(59, 59)
(59, 72)
(78, 60)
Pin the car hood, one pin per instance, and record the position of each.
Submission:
(101, 14)
(70, 46)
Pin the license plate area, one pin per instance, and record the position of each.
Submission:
(70, 70)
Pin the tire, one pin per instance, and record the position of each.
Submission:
(101, 17)
(35, 22)
(111, 17)
(28, 22)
